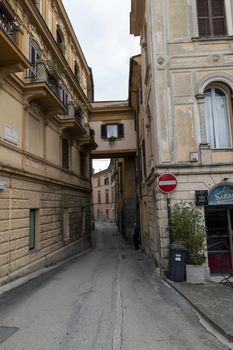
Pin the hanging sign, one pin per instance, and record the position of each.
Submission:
(221, 195)
(167, 183)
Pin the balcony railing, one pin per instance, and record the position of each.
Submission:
(8, 26)
(38, 72)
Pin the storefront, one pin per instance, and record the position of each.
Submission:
(219, 223)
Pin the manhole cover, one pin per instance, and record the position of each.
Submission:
(6, 332)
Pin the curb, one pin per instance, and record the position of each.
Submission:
(202, 314)
(33, 275)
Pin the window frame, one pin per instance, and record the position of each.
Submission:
(227, 93)
(33, 229)
(120, 131)
(211, 21)
(65, 163)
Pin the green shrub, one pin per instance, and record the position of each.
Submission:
(187, 227)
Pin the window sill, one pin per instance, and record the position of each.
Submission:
(212, 38)
(228, 149)
(34, 250)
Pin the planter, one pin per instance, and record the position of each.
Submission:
(197, 274)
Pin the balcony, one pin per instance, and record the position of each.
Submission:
(43, 88)
(12, 59)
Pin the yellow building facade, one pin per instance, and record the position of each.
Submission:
(186, 107)
(45, 139)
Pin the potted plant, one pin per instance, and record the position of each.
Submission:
(188, 228)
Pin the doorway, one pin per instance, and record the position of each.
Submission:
(219, 223)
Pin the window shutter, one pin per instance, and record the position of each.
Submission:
(218, 13)
(103, 131)
(120, 130)
(203, 17)
(65, 154)
(211, 17)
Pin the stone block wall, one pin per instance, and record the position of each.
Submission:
(50, 202)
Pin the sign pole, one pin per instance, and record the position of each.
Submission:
(169, 217)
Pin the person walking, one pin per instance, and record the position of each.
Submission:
(136, 236)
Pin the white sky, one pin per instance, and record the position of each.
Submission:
(102, 29)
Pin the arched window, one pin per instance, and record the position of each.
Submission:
(217, 117)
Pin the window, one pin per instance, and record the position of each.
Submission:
(217, 119)
(211, 18)
(143, 157)
(32, 229)
(66, 224)
(99, 197)
(109, 131)
(64, 96)
(106, 196)
(60, 40)
(98, 181)
(83, 219)
(76, 70)
(106, 181)
(65, 154)
(82, 164)
(34, 56)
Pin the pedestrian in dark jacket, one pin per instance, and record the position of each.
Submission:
(136, 234)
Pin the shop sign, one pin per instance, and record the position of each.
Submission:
(221, 195)
(201, 198)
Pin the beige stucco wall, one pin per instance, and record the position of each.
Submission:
(128, 143)
(176, 67)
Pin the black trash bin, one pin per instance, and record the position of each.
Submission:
(177, 254)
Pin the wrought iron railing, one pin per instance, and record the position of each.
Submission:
(8, 26)
(39, 72)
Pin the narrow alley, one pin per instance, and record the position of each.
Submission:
(106, 299)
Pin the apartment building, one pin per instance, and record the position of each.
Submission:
(104, 194)
(46, 88)
(185, 111)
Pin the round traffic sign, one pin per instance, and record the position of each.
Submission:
(167, 182)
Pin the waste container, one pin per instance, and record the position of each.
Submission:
(177, 254)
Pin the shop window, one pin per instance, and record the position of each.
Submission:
(65, 154)
(218, 117)
(211, 18)
(109, 131)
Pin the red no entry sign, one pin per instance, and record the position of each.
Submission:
(167, 183)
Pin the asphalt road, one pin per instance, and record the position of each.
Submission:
(107, 299)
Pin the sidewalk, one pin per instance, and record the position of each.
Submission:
(213, 301)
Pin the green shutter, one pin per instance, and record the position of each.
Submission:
(32, 229)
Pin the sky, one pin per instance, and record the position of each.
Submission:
(103, 31)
